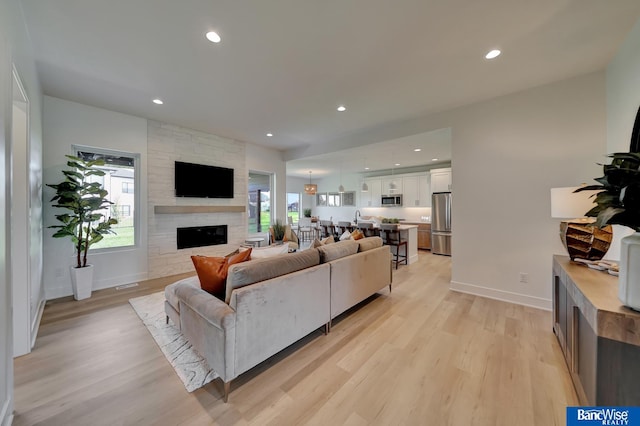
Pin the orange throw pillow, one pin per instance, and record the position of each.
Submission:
(357, 234)
(212, 271)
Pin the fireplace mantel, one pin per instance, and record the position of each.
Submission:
(198, 209)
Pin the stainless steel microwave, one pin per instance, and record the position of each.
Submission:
(391, 200)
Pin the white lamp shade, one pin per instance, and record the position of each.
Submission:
(567, 204)
(365, 187)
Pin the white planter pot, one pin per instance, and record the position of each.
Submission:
(82, 281)
(629, 280)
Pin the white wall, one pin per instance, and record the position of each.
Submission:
(261, 159)
(15, 48)
(66, 124)
(507, 154)
(6, 320)
(623, 92)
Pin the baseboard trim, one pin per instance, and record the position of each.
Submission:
(6, 416)
(58, 292)
(505, 296)
(35, 326)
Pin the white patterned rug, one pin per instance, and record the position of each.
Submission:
(192, 369)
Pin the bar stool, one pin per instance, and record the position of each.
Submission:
(367, 229)
(344, 226)
(391, 237)
(326, 228)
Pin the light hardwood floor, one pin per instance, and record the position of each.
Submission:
(421, 355)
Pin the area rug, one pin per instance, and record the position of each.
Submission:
(192, 369)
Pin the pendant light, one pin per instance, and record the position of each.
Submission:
(310, 188)
(341, 188)
(365, 187)
(392, 184)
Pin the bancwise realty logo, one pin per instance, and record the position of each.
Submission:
(624, 416)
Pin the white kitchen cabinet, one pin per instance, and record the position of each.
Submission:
(440, 180)
(372, 197)
(386, 180)
(410, 191)
(416, 191)
(424, 190)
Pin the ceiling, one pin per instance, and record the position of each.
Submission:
(283, 66)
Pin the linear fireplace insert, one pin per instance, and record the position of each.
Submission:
(201, 236)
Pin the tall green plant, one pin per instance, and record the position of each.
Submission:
(84, 223)
(278, 230)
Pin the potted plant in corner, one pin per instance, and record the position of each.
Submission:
(618, 203)
(278, 231)
(83, 223)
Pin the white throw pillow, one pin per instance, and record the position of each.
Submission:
(345, 236)
(272, 250)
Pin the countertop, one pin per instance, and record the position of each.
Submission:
(416, 222)
(596, 293)
(404, 226)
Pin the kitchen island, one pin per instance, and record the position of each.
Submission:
(409, 233)
(424, 233)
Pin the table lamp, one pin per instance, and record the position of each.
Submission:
(578, 233)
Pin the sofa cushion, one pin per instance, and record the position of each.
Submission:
(212, 271)
(336, 251)
(170, 290)
(329, 240)
(270, 251)
(258, 270)
(369, 243)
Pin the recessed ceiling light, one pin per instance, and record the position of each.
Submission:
(213, 37)
(417, 150)
(434, 159)
(342, 108)
(366, 168)
(158, 101)
(493, 54)
(269, 134)
(397, 164)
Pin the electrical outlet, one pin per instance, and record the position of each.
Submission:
(524, 277)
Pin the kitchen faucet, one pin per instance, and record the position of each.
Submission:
(355, 219)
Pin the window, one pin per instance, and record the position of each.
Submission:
(127, 187)
(334, 199)
(293, 206)
(120, 212)
(119, 181)
(259, 202)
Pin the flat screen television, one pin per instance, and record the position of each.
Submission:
(201, 181)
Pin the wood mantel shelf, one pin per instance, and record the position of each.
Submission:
(198, 209)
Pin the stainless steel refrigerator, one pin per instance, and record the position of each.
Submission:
(441, 223)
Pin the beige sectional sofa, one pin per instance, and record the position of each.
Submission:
(272, 303)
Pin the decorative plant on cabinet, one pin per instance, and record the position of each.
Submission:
(618, 203)
(84, 222)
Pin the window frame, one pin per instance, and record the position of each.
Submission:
(136, 194)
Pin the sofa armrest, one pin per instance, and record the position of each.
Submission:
(210, 326)
(214, 310)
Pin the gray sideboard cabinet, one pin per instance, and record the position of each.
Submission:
(600, 338)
